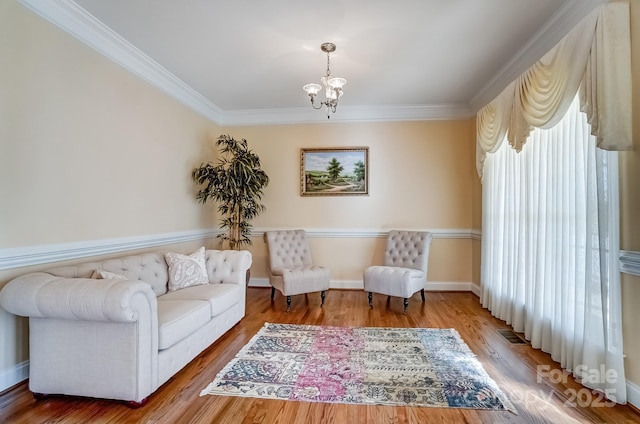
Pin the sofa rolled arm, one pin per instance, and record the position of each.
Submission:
(43, 295)
(228, 266)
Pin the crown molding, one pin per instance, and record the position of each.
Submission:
(566, 18)
(70, 17)
(308, 115)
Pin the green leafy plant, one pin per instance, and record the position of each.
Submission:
(236, 183)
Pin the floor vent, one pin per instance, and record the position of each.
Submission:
(512, 337)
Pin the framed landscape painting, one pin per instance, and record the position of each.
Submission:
(340, 171)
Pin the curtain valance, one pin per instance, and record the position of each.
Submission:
(594, 57)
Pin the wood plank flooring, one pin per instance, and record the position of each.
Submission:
(512, 366)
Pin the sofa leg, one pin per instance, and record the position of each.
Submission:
(322, 295)
(422, 294)
(135, 405)
(371, 300)
(273, 292)
(40, 396)
(288, 303)
(406, 305)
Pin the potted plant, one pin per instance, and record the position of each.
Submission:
(235, 183)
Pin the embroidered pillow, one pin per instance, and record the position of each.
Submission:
(186, 270)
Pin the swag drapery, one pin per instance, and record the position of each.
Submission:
(550, 225)
(595, 58)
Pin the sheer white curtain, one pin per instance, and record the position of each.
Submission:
(549, 249)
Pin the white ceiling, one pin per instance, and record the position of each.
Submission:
(403, 59)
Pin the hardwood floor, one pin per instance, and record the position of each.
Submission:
(512, 366)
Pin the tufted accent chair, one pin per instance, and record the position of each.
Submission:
(290, 266)
(404, 271)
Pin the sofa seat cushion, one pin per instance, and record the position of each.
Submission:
(220, 296)
(179, 318)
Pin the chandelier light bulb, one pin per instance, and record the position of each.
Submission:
(337, 82)
(312, 89)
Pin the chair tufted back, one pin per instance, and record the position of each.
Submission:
(408, 249)
(288, 249)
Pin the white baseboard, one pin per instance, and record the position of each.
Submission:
(358, 285)
(14, 375)
(448, 286)
(259, 282)
(633, 394)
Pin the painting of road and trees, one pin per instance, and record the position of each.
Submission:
(338, 171)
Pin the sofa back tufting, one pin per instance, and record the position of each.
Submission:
(150, 268)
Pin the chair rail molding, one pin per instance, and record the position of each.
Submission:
(18, 257)
(439, 233)
(630, 262)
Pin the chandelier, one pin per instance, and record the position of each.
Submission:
(332, 86)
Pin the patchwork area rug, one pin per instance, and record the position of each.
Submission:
(384, 366)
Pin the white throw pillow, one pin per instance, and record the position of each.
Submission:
(186, 270)
(104, 275)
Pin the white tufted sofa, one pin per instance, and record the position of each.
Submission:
(122, 339)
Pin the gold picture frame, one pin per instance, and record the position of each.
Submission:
(336, 171)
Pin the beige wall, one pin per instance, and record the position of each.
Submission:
(90, 152)
(87, 152)
(420, 178)
(630, 213)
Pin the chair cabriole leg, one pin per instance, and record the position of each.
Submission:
(422, 294)
(371, 300)
(288, 303)
(406, 305)
(273, 292)
(322, 295)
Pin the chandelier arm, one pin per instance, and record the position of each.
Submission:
(317, 107)
(313, 103)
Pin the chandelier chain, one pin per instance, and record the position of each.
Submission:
(328, 67)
